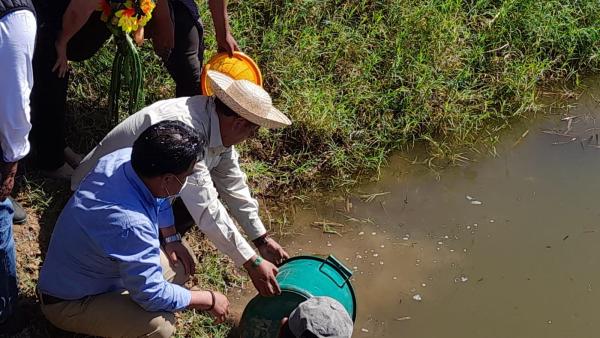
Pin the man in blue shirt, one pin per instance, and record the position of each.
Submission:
(102, 275)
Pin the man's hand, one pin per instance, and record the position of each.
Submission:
(219, 305)
(76, 15)
(272, 251)
(8, 171)
(263, 277)
(226, 43)
(62, 64)
(178, 253)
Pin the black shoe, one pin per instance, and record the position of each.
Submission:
(20, 216)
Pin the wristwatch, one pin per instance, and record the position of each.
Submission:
(176, 237)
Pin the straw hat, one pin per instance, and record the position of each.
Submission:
(247, 99)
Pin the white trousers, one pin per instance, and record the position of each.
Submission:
(17, 41)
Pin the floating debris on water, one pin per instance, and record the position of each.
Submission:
(469, 198)
(364, 330)
(380, 262)
(375, 255)
(461, 279)
(423, 284)
(368, 198)
(476, 202)
(403, 318)
(373, 233)
(417, 297)
(329, 227)
(361, 233)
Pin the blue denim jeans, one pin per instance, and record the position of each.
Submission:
(8, 269)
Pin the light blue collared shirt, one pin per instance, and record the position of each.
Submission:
(106, 239)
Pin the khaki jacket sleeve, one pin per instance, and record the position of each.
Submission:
(232, 186)
(201, 199)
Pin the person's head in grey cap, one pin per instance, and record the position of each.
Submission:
(317, 317)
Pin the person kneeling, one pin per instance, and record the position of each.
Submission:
(105, 273)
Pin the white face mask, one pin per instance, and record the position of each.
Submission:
(170, 197)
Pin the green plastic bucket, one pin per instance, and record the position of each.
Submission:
(300, 278)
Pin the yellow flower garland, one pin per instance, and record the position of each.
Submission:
(129, 15)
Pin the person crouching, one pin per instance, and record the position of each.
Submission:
(104, 273)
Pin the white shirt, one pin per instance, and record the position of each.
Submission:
(218, 175)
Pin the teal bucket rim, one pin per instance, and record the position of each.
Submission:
(325, 261)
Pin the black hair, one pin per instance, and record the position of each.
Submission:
(224, 109)
(168, 147)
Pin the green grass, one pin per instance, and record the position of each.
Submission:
(361, 79)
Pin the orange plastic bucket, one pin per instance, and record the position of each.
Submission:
(238, 67)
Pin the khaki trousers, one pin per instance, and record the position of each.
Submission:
(115, 314)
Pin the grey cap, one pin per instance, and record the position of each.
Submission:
(321, 316)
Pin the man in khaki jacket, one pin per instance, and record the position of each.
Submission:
(233, 115)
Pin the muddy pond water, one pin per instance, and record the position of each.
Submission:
(506, 246)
